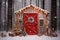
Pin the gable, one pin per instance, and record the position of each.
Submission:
(32, 9)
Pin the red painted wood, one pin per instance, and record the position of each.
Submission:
(31, 28)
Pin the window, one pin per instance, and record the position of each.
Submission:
(41, 22)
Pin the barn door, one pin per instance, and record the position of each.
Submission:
(31, 23)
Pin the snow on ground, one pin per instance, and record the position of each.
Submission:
(31, 37)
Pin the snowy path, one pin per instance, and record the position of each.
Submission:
(31, 37)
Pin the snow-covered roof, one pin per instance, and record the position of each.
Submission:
(33, 6)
